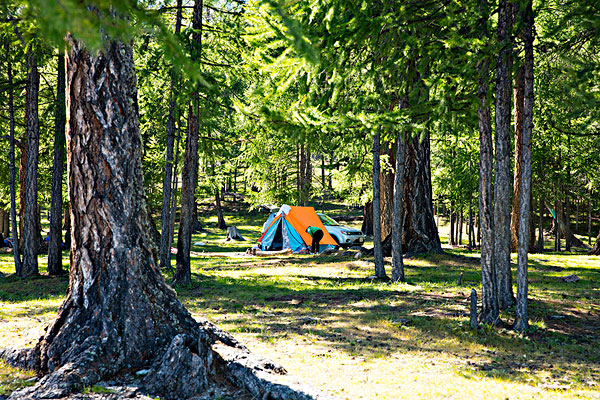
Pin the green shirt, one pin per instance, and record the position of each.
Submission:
(312, 229)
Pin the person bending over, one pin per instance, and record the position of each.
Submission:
(317, 235)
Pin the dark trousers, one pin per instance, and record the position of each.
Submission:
(314, 248)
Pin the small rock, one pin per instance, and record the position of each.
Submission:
(142, 372)
(358, 255)
(570, 278)
(330, 250)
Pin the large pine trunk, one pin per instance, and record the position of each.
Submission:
(55, 240)
(367, 225)
(489, 293)
(420, 234)
(502, 184)
(31, 241)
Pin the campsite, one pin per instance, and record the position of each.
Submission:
(299, 200)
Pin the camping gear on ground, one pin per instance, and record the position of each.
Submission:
(287, 230)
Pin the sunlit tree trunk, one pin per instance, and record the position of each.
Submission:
(397, 262)
(519, 91)
(377, 250)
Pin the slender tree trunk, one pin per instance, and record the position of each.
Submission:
(540, 246)
(189, 175)
(174, 186)
(420, 233)
(502, 189)
(30, 233)
(589, 224)
(13, 194)
(165, 221)
(56, 206)
(489, 292)
(519, 91)
(556, 224)
(460, 226)
(377, 250)
(522, 314)
(452, 213)
(397, 262)
(577, 215)
(220, 220)
(386, 185)
(567, 192)
(471, 233)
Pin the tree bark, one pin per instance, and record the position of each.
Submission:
(386, 186)
(189, 175)
(502, 189)
(451, 240)
(165, 220)
(367, 225)
(540, 245)
(397, 262)
(377, 251)
(30, 212)
(589, 222)
(420, 234)
(516, 204)
(522, 314)
(56, 206)
(13, 194)
(595, 251)
(489, 293)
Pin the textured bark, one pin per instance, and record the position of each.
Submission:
(489, 293)
(377, 251)
(13, 194)
(188, 186)
(189, 176)
(55, 240)
(502, 189)
(519, 92)
(420, 234)
(367, 225)
(386, 190)
(397, 262)
(30, 212)
(451, 240)
(165, 220)
(540, 241)
(522, 315)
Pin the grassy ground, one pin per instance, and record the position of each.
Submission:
(328, 323)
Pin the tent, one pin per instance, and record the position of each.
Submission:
(287, 230)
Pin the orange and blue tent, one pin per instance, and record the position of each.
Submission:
(287, 230)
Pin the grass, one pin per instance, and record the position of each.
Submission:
(325, 321)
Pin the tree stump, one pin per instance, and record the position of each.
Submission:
(473, 310)
(233, 233)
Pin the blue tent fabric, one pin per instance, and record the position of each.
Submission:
(282, 235)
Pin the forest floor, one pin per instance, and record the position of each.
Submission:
(326, 322)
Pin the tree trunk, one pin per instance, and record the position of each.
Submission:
(471, 233)
(589, 222)
(460, 226)
(595, 251)
(420, 234)
(386, 186)
(522, 315)
(189, 176)
(452, 213)
(13, 194)
(174, 188)
(519, 91)
(30, 213)
(502, 189)
(540, 245)
(56, 205)
(220, 220)
(397, 262)
(165, 220)
(377, 251)
(489, 293)
(367, 225)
